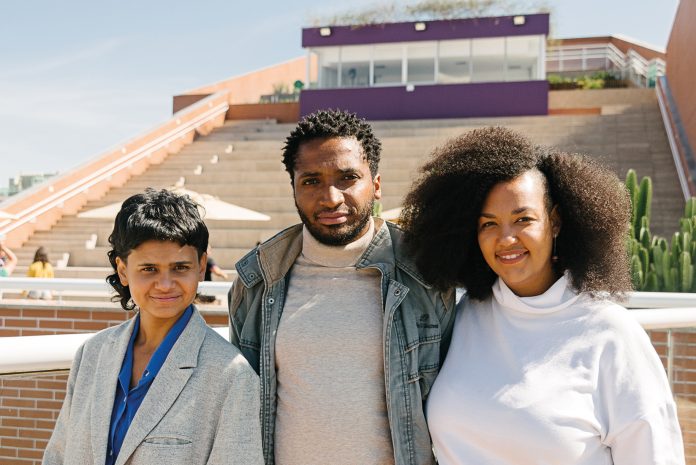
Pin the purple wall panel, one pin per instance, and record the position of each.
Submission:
(433, 101)
(436, 30)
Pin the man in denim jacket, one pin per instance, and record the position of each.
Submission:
(345, 334)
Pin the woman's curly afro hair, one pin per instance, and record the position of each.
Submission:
(440, 214)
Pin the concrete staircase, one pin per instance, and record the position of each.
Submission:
(249, 173)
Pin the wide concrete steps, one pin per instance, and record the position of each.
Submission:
(248, 172)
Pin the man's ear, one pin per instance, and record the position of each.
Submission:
(121, 270)
(202, 263)
(377, 183)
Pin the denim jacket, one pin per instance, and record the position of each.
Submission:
(417, 331)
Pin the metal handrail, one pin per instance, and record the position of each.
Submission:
(109, 170)
(683, 159)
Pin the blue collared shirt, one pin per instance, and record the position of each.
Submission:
(127, 401)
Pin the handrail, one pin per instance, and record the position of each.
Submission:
(118, 165)
(683, 159)
(109, 170)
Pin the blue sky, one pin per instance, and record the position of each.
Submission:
(80, 76)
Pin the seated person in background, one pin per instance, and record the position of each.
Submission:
(163, 387)
(40, 268)
(542, 367)
(8, 260)
(211, 269)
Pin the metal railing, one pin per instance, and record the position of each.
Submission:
(604, 57)
(678, 141)
(57, 198)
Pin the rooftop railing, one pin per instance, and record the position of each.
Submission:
(604, 57)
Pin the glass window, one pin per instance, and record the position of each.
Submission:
(455, 59)
(387, 64)
(327, 59)
(421, 61)
(355, 66)
(522, 58)
(488, 59)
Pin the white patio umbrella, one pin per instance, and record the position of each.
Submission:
(212, 208)
(391, 214)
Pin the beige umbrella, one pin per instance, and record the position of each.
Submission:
(391, 214)
(212, 208)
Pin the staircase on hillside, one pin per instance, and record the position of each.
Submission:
(241, 164)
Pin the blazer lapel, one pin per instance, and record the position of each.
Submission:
(108, 366)
(166, 387)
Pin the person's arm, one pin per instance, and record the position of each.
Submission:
(235, 300)
(11, 260)
(635, 403)
(447, 322)
(55, 450)
(240, 307)
(238, 436)
(219, 272)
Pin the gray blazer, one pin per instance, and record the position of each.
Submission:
(202, 408)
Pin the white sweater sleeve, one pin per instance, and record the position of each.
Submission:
(636, 405)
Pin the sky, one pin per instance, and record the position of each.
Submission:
(78, 77)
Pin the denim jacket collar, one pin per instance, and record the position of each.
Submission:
(277, 255)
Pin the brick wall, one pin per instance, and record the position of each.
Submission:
(29, 404)
(684, 376)
(26, 318)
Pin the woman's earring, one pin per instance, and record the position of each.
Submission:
(554, 255)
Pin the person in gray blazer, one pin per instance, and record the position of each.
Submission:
(161, 388)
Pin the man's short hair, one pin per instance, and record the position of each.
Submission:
(328, 124)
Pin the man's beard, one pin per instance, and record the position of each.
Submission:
(340, 234)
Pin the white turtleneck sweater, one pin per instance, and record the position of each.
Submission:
(555, 379)
(329, 360)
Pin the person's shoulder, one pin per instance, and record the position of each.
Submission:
(603, 315)
(94, 345)
(218, 353)
(402, 258)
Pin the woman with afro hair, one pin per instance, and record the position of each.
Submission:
(542, 367)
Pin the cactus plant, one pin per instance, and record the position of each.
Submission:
(658, 264)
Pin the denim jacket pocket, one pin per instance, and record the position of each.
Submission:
(422, 350)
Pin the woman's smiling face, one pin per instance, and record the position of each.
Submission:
(516, 229)
(162, 277)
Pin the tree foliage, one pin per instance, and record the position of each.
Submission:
(430, 10)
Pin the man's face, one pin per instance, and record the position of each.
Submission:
(334, 190)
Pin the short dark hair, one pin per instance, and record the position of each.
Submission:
(328, 124)
(159, 215)
(441, 212)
